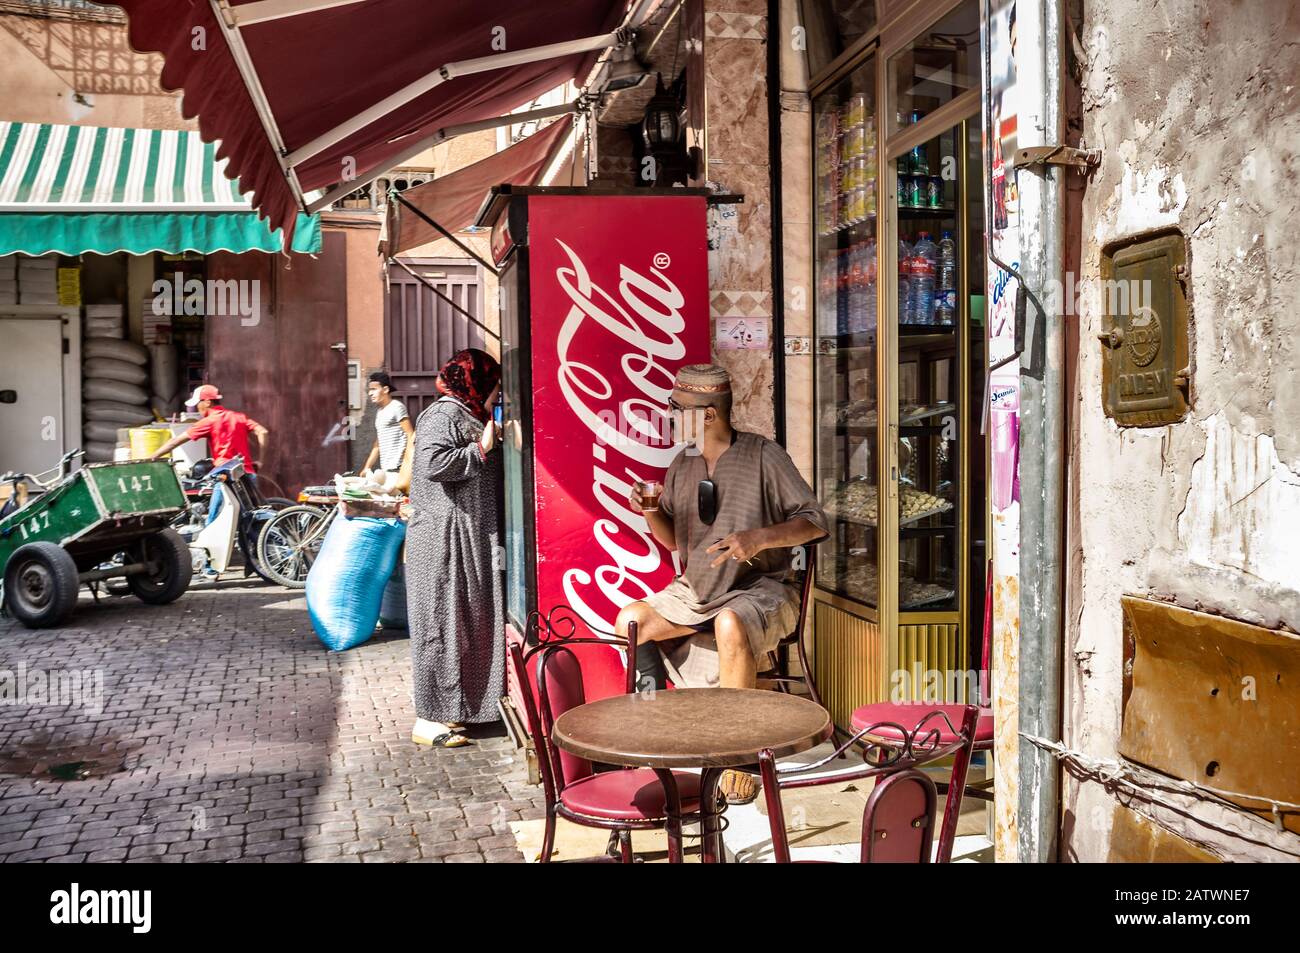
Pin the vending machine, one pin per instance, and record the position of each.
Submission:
(604, 295)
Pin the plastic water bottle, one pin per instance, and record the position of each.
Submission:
(945, 309)
(904, 282)
(925, 266)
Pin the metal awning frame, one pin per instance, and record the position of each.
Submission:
(580, 104)
(231, 19)
(429, 220)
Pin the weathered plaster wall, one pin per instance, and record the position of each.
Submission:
(81, 71)
(1194, 106)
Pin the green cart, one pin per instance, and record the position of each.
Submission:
(105, 521)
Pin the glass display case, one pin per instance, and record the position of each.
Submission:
(899, 367)
(846, 352)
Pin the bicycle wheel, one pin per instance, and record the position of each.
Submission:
(288, 544)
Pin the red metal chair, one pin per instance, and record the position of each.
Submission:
(893, 712)
(621, 800)
(898, 821)
(781, 672)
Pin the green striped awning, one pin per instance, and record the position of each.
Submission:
(76, 189)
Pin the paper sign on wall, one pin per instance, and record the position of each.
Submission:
(741, 334)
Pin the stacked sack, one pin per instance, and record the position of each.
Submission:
(38, 280)
(8, 279)
(114, 376)
(164, 364)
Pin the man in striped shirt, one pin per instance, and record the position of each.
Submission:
(393, 426)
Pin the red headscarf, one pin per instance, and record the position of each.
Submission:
(470, 376)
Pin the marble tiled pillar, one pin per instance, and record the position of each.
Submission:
(795, 216)
(740, 266)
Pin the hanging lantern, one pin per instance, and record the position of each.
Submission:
(662, 126)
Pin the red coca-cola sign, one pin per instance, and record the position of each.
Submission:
(619, 289)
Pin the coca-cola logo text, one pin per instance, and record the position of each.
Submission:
(626, 417)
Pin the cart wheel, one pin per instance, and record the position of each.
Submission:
(171, 556)
(41, 585)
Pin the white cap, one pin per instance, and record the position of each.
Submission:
(203, 392)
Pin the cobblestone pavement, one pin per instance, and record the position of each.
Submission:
(228, 733)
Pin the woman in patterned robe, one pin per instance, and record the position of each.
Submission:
(453, 581)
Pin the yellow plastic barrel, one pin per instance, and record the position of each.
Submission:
(145, 441)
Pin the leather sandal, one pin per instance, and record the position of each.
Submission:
(738, 787)
(449, 739)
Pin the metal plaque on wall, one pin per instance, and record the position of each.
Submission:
(1146, 373)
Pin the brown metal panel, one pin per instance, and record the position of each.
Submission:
(1213, 701)
(282, 370)
(1135, 840)
(421, 331)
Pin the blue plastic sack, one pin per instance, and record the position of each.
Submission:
(347, 580)
(392, 610)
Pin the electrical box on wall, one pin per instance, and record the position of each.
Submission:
(355, 396)
(1146, 372)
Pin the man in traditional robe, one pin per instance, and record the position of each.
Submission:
(733, 507)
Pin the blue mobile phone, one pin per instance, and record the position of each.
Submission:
(496, 412)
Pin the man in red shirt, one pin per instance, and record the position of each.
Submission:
(227, 431)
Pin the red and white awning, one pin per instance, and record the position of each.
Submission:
(315, 94)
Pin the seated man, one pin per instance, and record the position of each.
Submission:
(733, 512)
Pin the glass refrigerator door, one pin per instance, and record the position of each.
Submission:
(847, 452)
(516, 445)
(930, 402)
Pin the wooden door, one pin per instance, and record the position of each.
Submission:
(288, 368)
(421, 331)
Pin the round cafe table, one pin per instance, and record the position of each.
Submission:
(707, 728)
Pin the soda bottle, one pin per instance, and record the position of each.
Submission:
(842, 292)
(826, 297)
(869, 286)
(904, 282)
(926, 251)
(945, 310)
(854, 292)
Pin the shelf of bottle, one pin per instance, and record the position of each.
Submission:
(915, 531)
(922, 430)
(848, 341)
(908, 330)
(867, 224)
(946, 596)
(909, 422)
(927, 342)
(911, 212)
(859, 430)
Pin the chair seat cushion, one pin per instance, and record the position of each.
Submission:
(910, 715)
(633, 795)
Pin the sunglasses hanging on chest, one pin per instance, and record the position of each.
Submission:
(706, 494)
